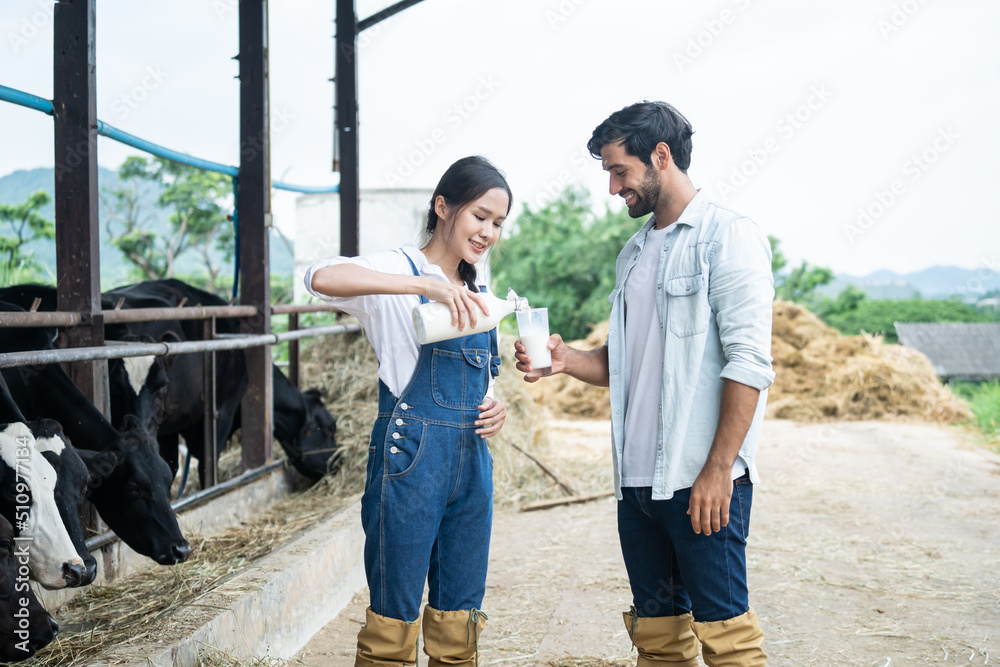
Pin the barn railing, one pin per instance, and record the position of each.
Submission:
(212, 343)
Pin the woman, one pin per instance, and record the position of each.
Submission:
(427, 508)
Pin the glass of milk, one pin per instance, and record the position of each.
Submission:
(533, 328)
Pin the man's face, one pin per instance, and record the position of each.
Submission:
(631, 179)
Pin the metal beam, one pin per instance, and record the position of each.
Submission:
(74, 110)
(345, 158)
(382, 15)
(254, 220)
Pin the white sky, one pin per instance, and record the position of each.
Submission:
(887, 81)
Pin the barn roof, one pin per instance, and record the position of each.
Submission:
(958, 350)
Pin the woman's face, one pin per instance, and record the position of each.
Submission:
(476, 227)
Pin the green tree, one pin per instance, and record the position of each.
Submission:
(879, 316)
(799, 284)
(198, 223)
(22, 224)
(778, 259)
(562, 256)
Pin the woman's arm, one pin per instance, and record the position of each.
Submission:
(347, 280)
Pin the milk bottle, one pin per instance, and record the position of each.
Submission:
(432, 321)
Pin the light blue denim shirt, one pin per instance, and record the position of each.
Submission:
(714, 291)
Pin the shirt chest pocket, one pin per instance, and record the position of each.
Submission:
(459, 379)
(687, 304)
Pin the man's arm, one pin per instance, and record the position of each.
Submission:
(590, 366)
(713, 489)
(741, 293)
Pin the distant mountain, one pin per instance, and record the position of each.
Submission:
(936, 282)
(18, 186)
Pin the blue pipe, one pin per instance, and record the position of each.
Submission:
(121, 137)
(37, 103)
(25, 99)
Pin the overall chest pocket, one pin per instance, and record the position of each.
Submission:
(459, 379)
(688, 309)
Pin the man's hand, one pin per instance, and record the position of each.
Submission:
(556, 346)
(710, 496)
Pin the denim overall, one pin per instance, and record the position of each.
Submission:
(427, 509)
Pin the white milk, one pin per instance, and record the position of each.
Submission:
(536, 346)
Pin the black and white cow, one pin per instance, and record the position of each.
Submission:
(130, 483)
(302, 423)
(72, 486)
(136, 384)
(29, 501)
(25, 626)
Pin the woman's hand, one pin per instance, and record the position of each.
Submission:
(492, 415)
(460, 300)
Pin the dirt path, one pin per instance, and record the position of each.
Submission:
(872, 544)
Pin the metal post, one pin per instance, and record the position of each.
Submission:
(78, 264)
(293, 350)
(254, 200)
(208, 457)
(346, 161)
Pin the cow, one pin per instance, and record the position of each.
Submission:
(25, 626)
(27, 501)
(136, 384)
(72, 485)
(302, 424)
(130, 483)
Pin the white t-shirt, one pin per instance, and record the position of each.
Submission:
(387, 318)
(644, 370)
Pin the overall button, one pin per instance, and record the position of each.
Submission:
(396, 436)
(404, 406)
(394, 449)
(399, 422)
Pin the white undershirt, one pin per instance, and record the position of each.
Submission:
(387, 318)
(644, 366)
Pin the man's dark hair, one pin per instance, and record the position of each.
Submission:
(639, 127)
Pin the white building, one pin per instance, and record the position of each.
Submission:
(390, 217)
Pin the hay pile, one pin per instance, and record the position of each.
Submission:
(345, 369)
(823, 375)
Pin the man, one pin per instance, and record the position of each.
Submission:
(688, 363)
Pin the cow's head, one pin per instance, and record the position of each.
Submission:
(72, 482)
(28, 497)
(25, 626)
(138, 388)
(130, 486)
(314, 451)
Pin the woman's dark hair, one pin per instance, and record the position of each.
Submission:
(464, 182)
(640, 127)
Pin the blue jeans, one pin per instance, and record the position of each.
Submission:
(671, 569)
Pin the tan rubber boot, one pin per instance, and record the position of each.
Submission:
(452, 637)
(733, 643)
(662, 640)
(386, 641)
